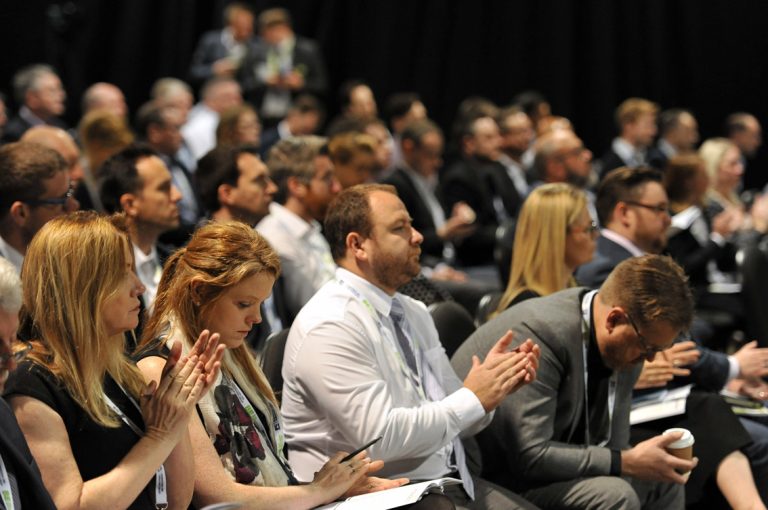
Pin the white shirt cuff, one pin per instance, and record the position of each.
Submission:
(717, 239)
(466, 405)
(734, 369)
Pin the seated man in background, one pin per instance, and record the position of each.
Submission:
(364, 361)
(24, 483)
(563, 440)
(34, 188)
(303, 173)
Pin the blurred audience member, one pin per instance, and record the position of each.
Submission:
(517, 136)
(217, 96)
(34, 188)
(239, 125)
(281, 65)
(303, 118)
(104, 96)
(173, 93)
(40, 95)
(636, 121)
(354, 158)
(678, 134)
(221, 52)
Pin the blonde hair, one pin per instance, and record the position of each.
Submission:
(63, 303)
(218, 256)
(538, 258)
(632, 108)
(712, 152)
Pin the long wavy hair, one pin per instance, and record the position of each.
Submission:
(538, 257)
(217, 257)
(73, 265)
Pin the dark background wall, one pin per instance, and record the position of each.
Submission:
(585, 55)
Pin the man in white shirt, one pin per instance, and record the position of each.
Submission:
(364, 361)
(219, 94)
(34, 188)
(306, 184)
(137, 182)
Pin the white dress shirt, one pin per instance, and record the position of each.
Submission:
(304, 254)
(149, 270)
(200, 130)
(11, 254)
(346, 382)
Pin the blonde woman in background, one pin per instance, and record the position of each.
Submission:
(554, 235)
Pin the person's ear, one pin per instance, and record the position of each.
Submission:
(19, 213)
(224, 194)
(616, 317)
(355, 246)
(296, 187)
(128, 203)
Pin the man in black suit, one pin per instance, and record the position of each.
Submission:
(220, 52)
(636, 120)
(39, 91)
(678, 133)
(416, 181)
(279, 65)
(23, 481)
(484, 184)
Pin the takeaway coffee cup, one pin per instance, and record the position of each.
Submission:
(683, 447)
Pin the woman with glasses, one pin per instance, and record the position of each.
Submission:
(218, 282)
(101, 435)
(555, 234)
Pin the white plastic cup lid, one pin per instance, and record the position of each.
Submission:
(684, 442)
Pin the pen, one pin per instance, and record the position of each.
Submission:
(351, 455)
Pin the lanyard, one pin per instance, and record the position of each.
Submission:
(586, 312)
(161, 490)
(5, 487)
(278, 434)
(414, 378)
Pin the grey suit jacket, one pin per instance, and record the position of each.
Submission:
(533, 437)
(709, 372)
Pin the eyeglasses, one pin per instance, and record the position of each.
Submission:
(647, 347)
(60, 201)
(658, 209)
(17, 356)
(590, 229)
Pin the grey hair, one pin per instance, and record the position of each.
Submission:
(10, 287)
(26, 79)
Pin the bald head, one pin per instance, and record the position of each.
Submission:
(104, 96)
(61, 142)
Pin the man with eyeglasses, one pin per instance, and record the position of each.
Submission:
(20, 483)
(306, 184)
(632, 207)
(35, 187)
(563, 440)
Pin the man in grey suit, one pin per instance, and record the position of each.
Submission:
(563, 440)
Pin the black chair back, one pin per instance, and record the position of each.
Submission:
(272, 360)
(454, 324)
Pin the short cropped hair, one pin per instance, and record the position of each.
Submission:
(294, 157)
(416, 130)
(622, 185)
(651, 288)
(119, 175)
(219, 167)
(631, 109)
(342, 148)
(350, 212)
(24, 166)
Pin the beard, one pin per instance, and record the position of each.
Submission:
(394, 272)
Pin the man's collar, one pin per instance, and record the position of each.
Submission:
(292, 221)
(379, 300)
(622, 241)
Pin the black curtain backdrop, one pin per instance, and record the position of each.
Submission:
(586, 56)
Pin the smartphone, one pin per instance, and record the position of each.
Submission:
(365, 446)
